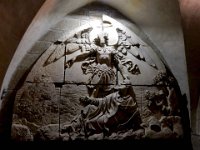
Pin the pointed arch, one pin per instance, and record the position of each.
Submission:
(49, 86)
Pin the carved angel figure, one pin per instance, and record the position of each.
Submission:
(100, 59)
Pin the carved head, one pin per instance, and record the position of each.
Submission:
(101, 40)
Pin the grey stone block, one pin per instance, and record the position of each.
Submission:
(29, 60)
(75, 75)
(18, 79)
(67, 24)
(39, 47)
(53, 72)
(52, 36)
(36, 104)
(69, 103)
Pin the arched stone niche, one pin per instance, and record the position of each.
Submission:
(92, 56)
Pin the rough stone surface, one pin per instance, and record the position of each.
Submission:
(36, 104)
(21, 133)
(68, 23)
(69, 102)
(53, 73)
(40, 47)
(52, 35)
(47, 133)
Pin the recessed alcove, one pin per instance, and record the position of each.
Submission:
(90, 55)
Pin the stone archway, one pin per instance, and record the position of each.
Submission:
(49, 96)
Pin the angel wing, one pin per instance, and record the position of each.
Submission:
(58, 52)
(134, 46)
(79, 41)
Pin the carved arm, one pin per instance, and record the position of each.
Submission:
(80, 57)
(86, 101)
(120, 67)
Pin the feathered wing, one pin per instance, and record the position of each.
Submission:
(79, 41)
(58, 52)
(134, 46)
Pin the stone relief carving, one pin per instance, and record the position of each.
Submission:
(164, 109)
(100, 59)
(106, 107)
(115, 112)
